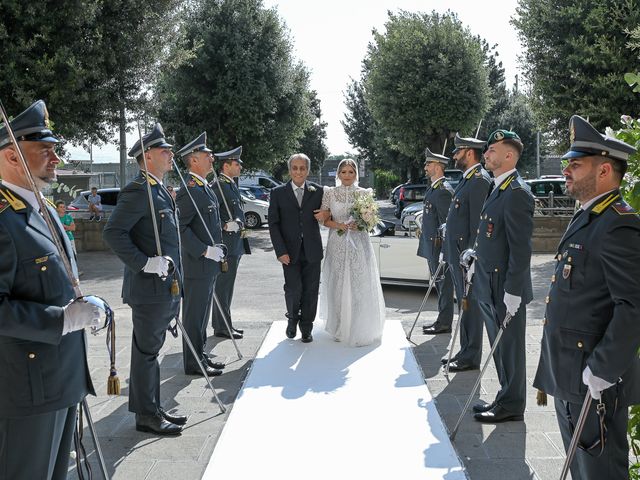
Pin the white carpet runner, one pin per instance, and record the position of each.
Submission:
(322, 410)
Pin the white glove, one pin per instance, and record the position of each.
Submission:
(80, 314)
(470, 271)
(512, 303)
(443, 230)
(157, 265)
(232, 226)
(441, 257)
(214, 253)
(595, 384)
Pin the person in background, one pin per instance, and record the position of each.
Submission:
(95, 205)
(67, 223)
(171, 191)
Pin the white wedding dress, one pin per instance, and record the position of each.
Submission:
(351, 302)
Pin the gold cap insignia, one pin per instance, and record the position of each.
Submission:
(47, 123)
(572, 133)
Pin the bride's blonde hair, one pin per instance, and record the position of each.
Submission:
(350, 162)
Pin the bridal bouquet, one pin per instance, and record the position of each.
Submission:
(364, 213)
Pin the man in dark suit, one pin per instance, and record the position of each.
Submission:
(295, 235)
(437, 199)
(151, 281)
(461, 230)
(591, 330)
(502, 280)
(43, 362)
(202, 252)
(232, 218)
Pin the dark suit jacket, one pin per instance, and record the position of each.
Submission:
(289, 223)
(40, 370)
(593, 308)
(233, 240)
(194, 235)
(129, 233)
(434, 213)
(464, 213)
(503, 243)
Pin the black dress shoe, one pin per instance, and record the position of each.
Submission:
(435, 329)
(175, 419)
(237, 336)
(292, 328)
(307, 338)
(445, 360)
(212, 364)
(211, 372)
(498, 414)
(483, 407)
(156, 424)
(456, 366)
(238, 330)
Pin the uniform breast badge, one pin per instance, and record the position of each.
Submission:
(489, 230)
(566, 271)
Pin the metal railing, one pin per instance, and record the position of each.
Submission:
(554, 205)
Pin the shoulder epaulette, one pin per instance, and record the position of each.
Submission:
(437, 184)
(140, 181)
(605, 202)
(224, 179)
(623, 208)
(9, 199)
(517, 183)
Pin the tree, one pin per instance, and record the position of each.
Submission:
(499, 96)
(313, 142)
(52, 57)
(425, 79)
(241, 84)
(574, 59)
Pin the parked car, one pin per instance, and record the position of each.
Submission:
(550, 195)
(261, 193)
(541, 187)
(409, 194)
(411, 215)
(258, 179)
(79, 207)
(255, 211)
(398, 263)
(453, 176)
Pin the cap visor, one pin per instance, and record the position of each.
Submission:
(575, 154)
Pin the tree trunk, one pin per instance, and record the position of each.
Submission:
(123, 147)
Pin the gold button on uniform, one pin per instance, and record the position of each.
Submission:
(43, 268)
(546, 299)
(559, 257)
(32, 355)
(544, 322)
(496, 270)
(553, 278)
(580, 345)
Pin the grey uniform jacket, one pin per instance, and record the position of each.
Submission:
(226, 186)
(289, 223)
(129, 233)
(40, 370)
(503, 244)
(437, 199)
(464, 213)
(593, 308)
(194, 235)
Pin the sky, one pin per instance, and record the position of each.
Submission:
(331, 38)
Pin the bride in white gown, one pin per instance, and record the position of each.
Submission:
(351, 302)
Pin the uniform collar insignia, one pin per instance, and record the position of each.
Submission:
(196, 180)
(14, 201)
(507, 182)
(602, 205)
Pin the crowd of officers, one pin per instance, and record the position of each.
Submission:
(184, 249)
(477, 239)
(190, 247)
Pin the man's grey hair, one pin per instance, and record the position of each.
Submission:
(299, 156)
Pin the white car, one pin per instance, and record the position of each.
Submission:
(411, 216)
(397, 257)
(255, 211)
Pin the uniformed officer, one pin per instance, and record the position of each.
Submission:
(202, 253)
(437, 199)
(461, 229)
(149, 285)
(43, 361)
(232, 217)
(502, 280)
(591, 330)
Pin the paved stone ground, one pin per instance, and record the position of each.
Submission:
(517, 450)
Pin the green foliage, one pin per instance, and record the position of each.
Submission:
(313, 142)
(384, 181)
(630, 133)
(241, 83)
(634, 434)
(425, 79)
(574, 56)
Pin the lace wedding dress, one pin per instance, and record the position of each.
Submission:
(351, 302)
